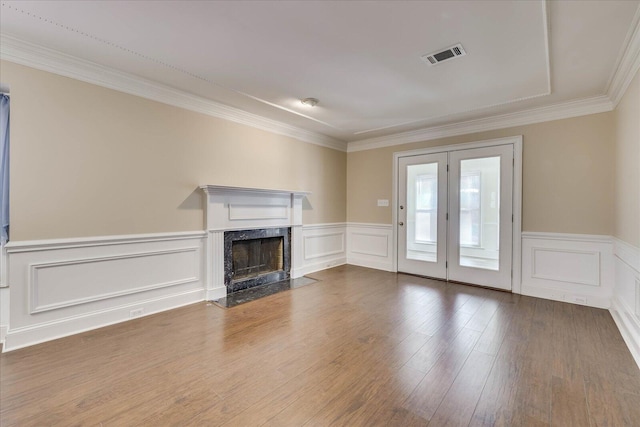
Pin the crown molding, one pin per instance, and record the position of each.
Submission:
(628, 65)
(41, 58)
(598, 104)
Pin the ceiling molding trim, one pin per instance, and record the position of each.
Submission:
(628, 65)
(594, 105)
(41, 58)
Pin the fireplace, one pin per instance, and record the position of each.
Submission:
(256, 257)
(235, 214)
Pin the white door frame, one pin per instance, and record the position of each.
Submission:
(516, 141)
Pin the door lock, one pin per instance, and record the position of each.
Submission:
(401, 223)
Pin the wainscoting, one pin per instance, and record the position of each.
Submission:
(625, 304)
(66, 286)
(62, 287)
(324, 246)
(4, 313)
(370, 245)
(4, 296)
(572, 268)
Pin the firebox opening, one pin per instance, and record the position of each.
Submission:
(256, 257)
(252, 258)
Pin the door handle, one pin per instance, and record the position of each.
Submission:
(401, 223)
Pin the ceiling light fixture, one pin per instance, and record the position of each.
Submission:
(310, 102)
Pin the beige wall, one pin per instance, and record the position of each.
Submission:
(567, 175)
(89, 161)
(627, 165)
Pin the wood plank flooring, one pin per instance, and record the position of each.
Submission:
(359, 348)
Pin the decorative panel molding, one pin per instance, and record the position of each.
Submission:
(54, 285)
(239, 212)
(369, 245)
(61, 287)
(324, 246)
(568, 267)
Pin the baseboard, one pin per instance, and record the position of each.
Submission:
(38, 333)
(323, 265)
(570, 297)
(3, 333)
(574, 268)
(368, 263)
(216, 293)
(629, 326)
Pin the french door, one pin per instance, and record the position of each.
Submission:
(455, 215)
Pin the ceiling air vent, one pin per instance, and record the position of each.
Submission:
(444, 55)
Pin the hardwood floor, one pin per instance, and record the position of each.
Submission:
(360, 348)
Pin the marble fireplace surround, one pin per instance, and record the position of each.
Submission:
(275, 275)
(240, 208)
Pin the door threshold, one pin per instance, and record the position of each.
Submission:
(439, 279)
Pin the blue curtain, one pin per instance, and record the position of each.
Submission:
(4, 169)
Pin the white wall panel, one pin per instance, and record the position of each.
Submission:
(625, 307)
(54, 285)
(62, 287)
(369, 245)
(568, 267)
(323, 246)
(4, 313)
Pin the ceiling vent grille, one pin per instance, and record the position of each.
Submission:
(444, 55)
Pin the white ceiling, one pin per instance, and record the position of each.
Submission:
(360, 59)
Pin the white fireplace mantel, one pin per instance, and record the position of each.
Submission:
(241, 208)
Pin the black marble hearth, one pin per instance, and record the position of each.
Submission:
(252, 294)
(256, 257)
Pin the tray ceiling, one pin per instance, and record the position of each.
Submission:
(362, 60)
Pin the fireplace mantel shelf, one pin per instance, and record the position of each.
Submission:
(211, 189)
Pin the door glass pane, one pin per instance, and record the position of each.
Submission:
(480, 213)
(422, 212)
